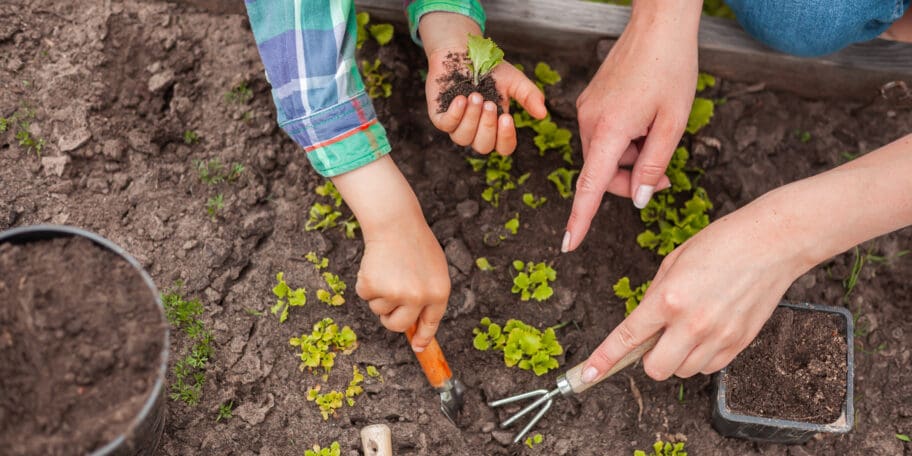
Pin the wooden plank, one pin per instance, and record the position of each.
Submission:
(572, 29)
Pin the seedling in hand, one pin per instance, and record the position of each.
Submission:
(484, 55)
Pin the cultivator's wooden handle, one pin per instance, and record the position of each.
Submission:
(377, 440)
(432, 361)
(574, 376)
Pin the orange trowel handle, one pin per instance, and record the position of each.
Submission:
(432, 361)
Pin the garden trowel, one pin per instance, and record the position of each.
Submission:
(440, 377)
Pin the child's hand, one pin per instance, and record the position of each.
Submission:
(472, 121)
(404, 274)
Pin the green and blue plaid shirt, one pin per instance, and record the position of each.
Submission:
(308, 49)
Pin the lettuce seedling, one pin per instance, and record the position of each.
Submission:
(700, 114)
(328, 402)
(331, 450)
(512, 225)
(372, 372)
(661, 448)
(484, 55)
(333, 297)
(675, 225)
(354, 386)
(322, 216)
(328, 189)
(623, 290)
(319, 263)
(316, 347)
(533, 440)
(382, 33)
(483, 264)
(350, 226)
(530, 200)
(288, 298)
(375, 80)
(361, 19)
(705, 80)
(532, 280)
(497, 175)
(523, 345)
(679, 180)
(545, 75)
(562, 178)
(550, 137)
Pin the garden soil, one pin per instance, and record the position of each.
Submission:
(80, 346)
(458, 81)
(795, 369)
(114, 86)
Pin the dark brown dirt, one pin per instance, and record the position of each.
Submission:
(458, 81)
(88, 65)
(80, 346)
(795, 369)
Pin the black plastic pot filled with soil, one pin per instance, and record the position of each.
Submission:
(83, 346)
(793, 381)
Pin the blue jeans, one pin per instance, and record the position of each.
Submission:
(816, 27)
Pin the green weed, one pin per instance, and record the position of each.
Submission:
(189, 371)
(224, 412)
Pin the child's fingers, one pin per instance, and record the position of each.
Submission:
(449, 120)
(506, 135)
(428, 322)
(528, 95)
(400, 319)
(465, 132)
(486, 135)
(381, 306)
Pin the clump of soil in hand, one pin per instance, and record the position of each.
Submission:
(795, 369)
(458, 81)
(80, 346)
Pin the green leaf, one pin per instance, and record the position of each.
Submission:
(383, 33)
(545, 74)
(903, 437)
(512, 225)
(700, 114)
(484, 56)
(705, 80)
(562, 179)
(481, 342)
(622, 288)
(518, 265)
(542, 292)
(483, 264)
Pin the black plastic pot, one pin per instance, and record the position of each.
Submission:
(784, 431)
(143, 435)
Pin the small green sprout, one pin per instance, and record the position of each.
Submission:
(354, 386)
(329, 189)
(4, 124)
(512, 225)
(333, 296)
(530, 200)
(224, 412)
(321, 217)
(531, 280)
(212, 172)
(803, 136)
(214, 205)
(545, 75)
(623, 290)
(676, 174)
(681, 393)
(319, 263)
(483, 264)
(700, 114)
(189, 371)
(497, 175)
(533, 440)
(350, 226)
(376, 81)
(362, 19)
(328, 402)
(382, 33)
(372, 372)
(562, 178)
(483, 55)
(287, 298)
(332, 450)
(903, 437)
(675, 225)
(705, 80)
(523, 345)
(661, 448)
(849, 282)
(316, 347)
(550, 137)
(239, 94)
(235, 173)
(191, 137)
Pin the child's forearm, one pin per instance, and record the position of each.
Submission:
(379, 196)
(824, 215)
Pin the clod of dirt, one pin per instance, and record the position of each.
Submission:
(457, 81)
(80, 346)
(795, 369)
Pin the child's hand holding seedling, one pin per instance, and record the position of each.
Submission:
(471, 118)
(404, 274)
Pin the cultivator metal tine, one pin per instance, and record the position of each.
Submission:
(544, 401)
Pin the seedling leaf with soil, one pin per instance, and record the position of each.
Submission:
(484, 55)
(318, 349)
(700, 114)
(532, 280)
(287, 298)
(324, 216)
(483, 264)
(372, 372)
(214, 205)
(224, 412)
(328, 402)
(20, 121)
(497, 175)
(661, 448)
(562, 178)
(523, 345)
(333, 296)
(189, 371)
(332, 450)
(675, 225)
(634, 296)
(530, 200)
(354, 386)
(512, 225)
(533, 440)
(376, 80)
(545, 75)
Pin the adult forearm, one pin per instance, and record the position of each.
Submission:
(821, 216)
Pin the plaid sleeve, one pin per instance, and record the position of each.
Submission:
(414, 9)
(308, 49)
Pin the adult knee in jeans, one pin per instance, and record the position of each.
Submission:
(810, 28)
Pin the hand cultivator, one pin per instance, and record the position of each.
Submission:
(569, 383)
(440, 377)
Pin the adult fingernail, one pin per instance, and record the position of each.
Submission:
(565, 244)
(476, 98)
(643, 194)
(589, 374)
(418, 349)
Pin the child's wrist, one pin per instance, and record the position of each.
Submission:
(445, 31)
